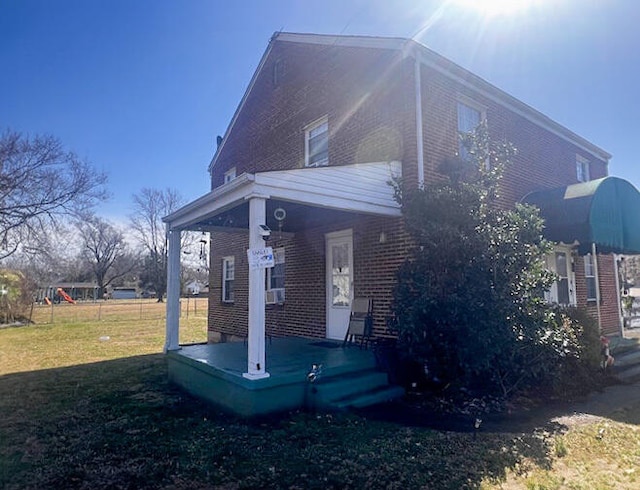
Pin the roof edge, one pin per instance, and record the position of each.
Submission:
(430, 58)
(247, 91)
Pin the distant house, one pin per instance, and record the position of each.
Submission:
(195, 288)
(124, 293)
(323, 126)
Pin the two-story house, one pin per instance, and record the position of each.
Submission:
(325, 123)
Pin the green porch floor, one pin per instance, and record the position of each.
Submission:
(214, 372)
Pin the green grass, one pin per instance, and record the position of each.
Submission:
(80, 412)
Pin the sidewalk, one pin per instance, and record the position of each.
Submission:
(619, 402)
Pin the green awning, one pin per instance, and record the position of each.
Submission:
(604, 211)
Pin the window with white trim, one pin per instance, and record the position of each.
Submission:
(275, 278)
(228, 278)
(229, 175)
(316, 143)
(582, 169)
(590, 277)
(469, 117)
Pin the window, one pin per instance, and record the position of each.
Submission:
(229, 175)
(275, 278)
(590, 277)
(582, 169)
(278, 72)
(228, 275)
(468, 120)
(316, 143)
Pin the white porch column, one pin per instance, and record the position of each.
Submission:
(594, 252)
(173, 290)
(256, 334)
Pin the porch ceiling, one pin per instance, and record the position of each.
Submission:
(602, 211)
(359, 188)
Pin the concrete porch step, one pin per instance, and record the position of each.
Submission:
(353, 389)
(627, 365)
(373, 397)
(631, 374)
(629, 358)
(328, 390)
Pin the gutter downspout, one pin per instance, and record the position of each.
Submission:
(597, 272)
(419, 127)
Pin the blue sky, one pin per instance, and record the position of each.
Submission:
(141, 88)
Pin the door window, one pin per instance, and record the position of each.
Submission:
(340, 275)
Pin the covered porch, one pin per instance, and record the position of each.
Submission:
(314, 198)
(596, 218)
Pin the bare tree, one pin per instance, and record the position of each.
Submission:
(40, 182)
(105, 250)
(149, 207)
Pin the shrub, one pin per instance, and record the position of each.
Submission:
(15, 296)
(469, 299)
(577, 371)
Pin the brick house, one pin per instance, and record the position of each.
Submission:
(324, 124)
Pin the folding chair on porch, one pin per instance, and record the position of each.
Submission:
(360, 322)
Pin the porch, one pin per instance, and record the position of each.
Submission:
(347, 376)
(257, 376)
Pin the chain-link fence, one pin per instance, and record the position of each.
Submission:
(115, 310)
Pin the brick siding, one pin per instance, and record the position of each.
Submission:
(369, 98)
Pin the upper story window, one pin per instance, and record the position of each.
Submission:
(316, 143)
(229, 175)
(228, 278)
(582, 169)
(469, 117)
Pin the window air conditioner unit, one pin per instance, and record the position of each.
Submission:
(275, 296)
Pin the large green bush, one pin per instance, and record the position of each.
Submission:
(469, 299)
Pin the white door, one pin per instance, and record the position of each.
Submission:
(563, 291)
(339, 249)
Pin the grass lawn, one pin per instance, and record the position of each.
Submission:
(80, 411)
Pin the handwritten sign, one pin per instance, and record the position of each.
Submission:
(260, 258)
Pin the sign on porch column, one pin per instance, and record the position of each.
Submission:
(258, 256)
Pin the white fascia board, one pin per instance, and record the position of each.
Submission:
(343, 41)
(224, 197)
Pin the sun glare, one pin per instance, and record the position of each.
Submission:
(494, 8)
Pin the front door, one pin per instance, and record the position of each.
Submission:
(563, 291)
(339, 247)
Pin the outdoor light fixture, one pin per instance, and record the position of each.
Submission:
(279, 214)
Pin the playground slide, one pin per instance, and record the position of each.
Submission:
(65, 296)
